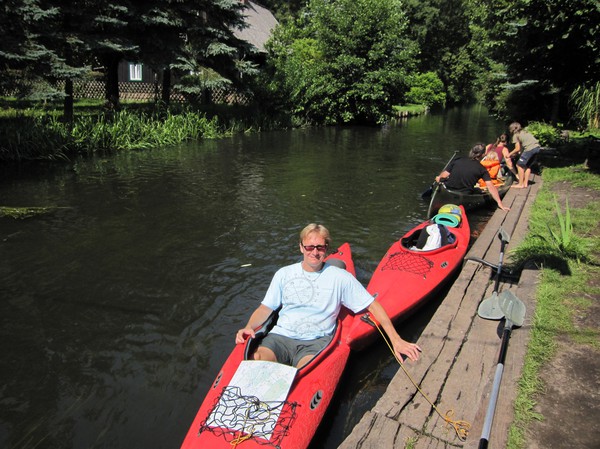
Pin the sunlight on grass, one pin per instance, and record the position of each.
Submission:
(564, 289)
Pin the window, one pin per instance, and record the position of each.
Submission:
(135, 72)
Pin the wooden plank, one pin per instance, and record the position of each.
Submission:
(513, 368)
(468, 380)
(375, 431)
(457, 366)
(442, 341)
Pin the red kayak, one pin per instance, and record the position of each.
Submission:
(406, 277)
(257, 404)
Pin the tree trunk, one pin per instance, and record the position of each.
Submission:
(111, 64)
(68, 103)
(555, 112)
(166, 85)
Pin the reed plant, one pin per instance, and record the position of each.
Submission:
(586, 102)
(47, 137)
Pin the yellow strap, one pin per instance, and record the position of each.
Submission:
(460, 427)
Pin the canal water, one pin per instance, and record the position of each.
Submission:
(120, 303)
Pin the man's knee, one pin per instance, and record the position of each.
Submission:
(264, 354)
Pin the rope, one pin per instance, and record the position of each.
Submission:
(261, 407)
(460, 427)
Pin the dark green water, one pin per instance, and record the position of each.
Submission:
(119, 306)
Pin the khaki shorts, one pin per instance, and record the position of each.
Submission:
(290, 351)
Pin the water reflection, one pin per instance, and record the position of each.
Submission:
(118, 309)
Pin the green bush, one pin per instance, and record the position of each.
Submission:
(546, 134)
(427, 89)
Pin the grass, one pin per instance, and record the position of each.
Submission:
(36, 131)
(563, 289)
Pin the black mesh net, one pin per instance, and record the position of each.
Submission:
(238, 418)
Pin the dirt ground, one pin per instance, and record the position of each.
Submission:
(570, 400)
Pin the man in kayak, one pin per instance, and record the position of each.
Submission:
(463, 173)
(309, 296)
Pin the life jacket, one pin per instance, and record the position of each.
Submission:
(493, 167)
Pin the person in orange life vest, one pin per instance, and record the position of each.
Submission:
(463, 173)
(492, 165)
(501, 149)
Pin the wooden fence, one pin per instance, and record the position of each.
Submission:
(139, 91)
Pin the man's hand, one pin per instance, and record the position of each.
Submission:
(411, 350)
(243, 334)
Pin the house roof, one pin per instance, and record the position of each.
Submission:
(260, 24)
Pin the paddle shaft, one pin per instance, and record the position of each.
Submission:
(430, 189)
(500, 261)
(489, 416)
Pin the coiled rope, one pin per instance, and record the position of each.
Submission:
(460, 427)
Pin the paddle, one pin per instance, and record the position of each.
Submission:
(514, 311)
(427, 193)
(490, 307)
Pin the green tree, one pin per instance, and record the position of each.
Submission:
(442, 29)
(344, 61)
(549, 48)
(210, 54)
(28, 54)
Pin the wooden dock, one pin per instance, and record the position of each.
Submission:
(460, 354)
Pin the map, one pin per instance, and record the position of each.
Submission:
(254, 398)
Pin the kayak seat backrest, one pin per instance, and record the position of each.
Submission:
(254, 343)
(425, 239)
(337, 263)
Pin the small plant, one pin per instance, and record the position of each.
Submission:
(557, 248)
(563, 240)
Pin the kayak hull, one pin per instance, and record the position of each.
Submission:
(301, 412)
(405, 279)
(442, 195)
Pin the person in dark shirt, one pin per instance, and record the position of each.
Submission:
(464, 173)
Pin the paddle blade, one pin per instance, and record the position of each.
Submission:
(490, 309)
(512, 307)
(504, 236)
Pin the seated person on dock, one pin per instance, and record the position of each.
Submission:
(463, 173)
(309, 296)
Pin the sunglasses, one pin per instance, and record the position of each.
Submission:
(310, 248)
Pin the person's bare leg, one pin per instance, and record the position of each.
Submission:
(509, 161)
(263, 353)
(521, 177)
(526, 177)
(304, 360)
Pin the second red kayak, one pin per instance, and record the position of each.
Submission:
(408, 275)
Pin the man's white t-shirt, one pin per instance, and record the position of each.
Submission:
(311, 301)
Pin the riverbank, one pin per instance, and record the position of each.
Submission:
(460, 355)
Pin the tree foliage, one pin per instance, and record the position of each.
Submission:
(550, 48)
(346, 61)
(51, 40)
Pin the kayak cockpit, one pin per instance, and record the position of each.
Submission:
(430, 238)
(253, 343)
